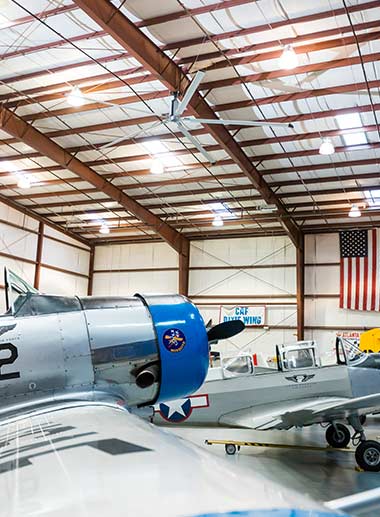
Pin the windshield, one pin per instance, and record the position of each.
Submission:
(16, 289)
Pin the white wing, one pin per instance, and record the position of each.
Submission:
(300, 412)
(94, 460)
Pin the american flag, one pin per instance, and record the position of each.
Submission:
(360, 270)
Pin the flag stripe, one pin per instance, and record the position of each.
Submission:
(349, 281)
(365, 283)
(357, 282)
(342, 290)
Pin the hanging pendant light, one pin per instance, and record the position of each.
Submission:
(327, 147)
(157, 167)
(218, 221)
(289, 58)
(354, 212)
(24, 181)
(104, 229)
(75, 97)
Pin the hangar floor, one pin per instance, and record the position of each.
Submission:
(322, 475)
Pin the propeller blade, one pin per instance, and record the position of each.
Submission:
(195, 143)
(225, 330)
(248, 123)
(191, 89)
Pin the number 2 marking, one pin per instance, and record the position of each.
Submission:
(9, 360)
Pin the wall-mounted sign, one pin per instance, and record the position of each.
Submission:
(251, 316)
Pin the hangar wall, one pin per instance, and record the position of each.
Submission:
(64, 261)
(323, 317)
(250, 271)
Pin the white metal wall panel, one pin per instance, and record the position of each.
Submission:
(65, 256)
(18, 242)
(14, 216)
(253, 282)
(56, 282)
(243, 251)
(63, 237)
(125, 284)
(321, 280)
(135, 256)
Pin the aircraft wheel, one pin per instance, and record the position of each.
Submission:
(367, 455)
(363, 419)
(230, 449)
(338, 436)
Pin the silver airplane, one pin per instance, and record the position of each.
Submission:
(299, 392)
(71, 371)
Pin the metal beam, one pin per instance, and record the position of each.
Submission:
(158, 63)
(183, 271)
(40, 241)
(27, 134)
(91, 271)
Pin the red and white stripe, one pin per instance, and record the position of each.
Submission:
(360, 278)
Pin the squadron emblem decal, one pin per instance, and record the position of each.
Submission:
(174, 340)
(6, 328)
(300, 378)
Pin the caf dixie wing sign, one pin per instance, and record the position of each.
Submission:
(250, 315)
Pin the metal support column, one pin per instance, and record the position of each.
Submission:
(300, 273)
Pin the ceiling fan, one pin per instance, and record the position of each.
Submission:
(178, 108)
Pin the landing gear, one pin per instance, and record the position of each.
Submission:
(338, 436)
(367, 455)
(363, 419)
(230, 449)
(367, 452)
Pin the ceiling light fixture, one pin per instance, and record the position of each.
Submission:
(218, 221)
(104, 229)
(354, 212)
(289, 58)
(157, 167)
(327, 147)
(75, 97)
(24, 181)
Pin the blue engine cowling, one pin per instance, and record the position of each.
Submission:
(182, 343)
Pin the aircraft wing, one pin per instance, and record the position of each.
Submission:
(301, 412)
(87, 459)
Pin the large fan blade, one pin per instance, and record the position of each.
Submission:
(236, 122)
(114, 142)
(225, 330)
(126, 137)
(195, 143)
(192, 88)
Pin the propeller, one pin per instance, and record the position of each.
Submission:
(225, 330)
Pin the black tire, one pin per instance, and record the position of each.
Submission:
(230, 449)
(338, 436)
(363, 419)
(367, 455)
